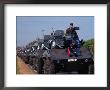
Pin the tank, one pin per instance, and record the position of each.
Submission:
(66, 55)
(60, 54)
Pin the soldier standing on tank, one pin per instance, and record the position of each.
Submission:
(73, 34)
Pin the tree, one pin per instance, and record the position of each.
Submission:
(90, 45)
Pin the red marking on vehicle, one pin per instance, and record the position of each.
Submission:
(68, 52)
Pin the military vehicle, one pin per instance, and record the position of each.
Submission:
(61, 58)
(59, 53)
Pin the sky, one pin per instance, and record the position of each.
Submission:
(30, 28)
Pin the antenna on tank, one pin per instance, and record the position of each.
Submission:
(52, 30)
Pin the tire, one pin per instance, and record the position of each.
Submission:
(83, 69)
(49, 67)
(26, 59)
(39, 66)
(91, 69)
(31, 61)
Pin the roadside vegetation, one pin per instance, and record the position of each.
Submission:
(90, 45)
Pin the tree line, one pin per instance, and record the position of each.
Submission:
(90, 45)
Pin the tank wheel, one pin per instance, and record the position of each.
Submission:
(91, 69)
(48, 67)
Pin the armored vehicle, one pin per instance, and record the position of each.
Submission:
(66, 54)
(60, 53)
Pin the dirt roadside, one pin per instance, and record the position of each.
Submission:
(22, 68)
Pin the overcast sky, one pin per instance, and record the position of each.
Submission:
(30, 28)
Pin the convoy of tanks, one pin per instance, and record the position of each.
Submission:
(58, 53)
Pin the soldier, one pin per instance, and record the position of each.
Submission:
(71, 33)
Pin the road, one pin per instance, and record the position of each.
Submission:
(23, 68)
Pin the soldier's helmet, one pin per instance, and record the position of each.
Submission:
(71, 24)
